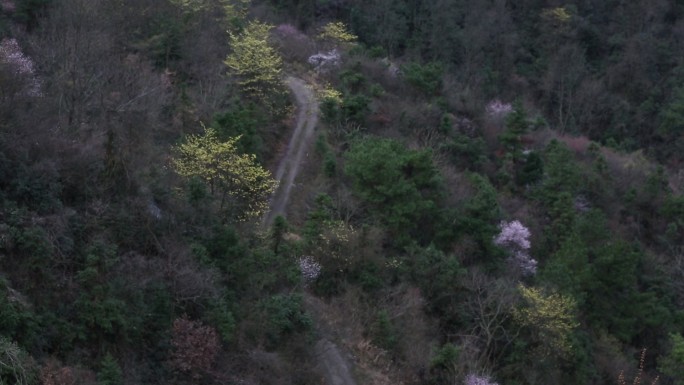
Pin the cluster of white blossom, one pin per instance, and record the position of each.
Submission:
(8, 6)
(323, 61)
(513, 234)
(474, 379)
(497, 109)
(309, 268)
(514, 237)
(527, 264)
(289, 31)
(20, 64)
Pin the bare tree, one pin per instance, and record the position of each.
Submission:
(488, 307)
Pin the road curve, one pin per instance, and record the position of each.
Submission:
(330, 361)
(307, 118)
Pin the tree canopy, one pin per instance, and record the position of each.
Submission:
(225, 171)
(254, 62)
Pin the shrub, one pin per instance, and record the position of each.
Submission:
(244, 121)
(383, 332)
(16, 366)
(285, 316)
(672, 364)
(110, 372)
(402, 186)
(330, 109)
(531, 171)
(427, 78)
(222, 318)
(355, 108)
(195, 347)
(330, 165)
(352, 79)
(466, 152)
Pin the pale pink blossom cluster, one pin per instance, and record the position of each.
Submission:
(513, 234)
(497, 109)
(514, 237)
(10, 54)
(309, 268)
(8, 6)
(474, 379)
(289, 30)
(324, 60)
(527, 264)
(20, 64)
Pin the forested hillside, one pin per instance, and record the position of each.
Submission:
(492, 193)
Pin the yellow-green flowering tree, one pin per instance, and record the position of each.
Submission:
(237, 178)
(549, 319)
(190, 5)
(336, 32)
(254, 62)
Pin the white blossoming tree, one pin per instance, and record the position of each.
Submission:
(475, 379)
(514, 238)
(19, 67)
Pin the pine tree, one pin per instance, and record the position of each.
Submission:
(110, 372)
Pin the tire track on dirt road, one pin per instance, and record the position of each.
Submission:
(330, 359)
(307, 118)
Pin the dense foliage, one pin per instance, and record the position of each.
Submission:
(492, 195)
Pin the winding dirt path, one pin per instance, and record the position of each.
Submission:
(307, 118)
(331, 362)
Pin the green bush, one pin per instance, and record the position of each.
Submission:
(285, 317)
(436, 273)
(481, 213)
(352, 79)
(110, 372)
(330, 110)
(222, 319)
(445, 357)
(383, 332)
(402, 186)
(444, 363)
(243, 120)
(17, 319)
(562, 174)
(517, 124)
(355, 108)
(531, 171)
(330, 165)
(672, 364)
(427, 78)
(16, 366)
(466, 152)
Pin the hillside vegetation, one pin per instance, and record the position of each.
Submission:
(493, 193)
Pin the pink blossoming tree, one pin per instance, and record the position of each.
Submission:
(474, 379)
(20, 65)
(514, 238)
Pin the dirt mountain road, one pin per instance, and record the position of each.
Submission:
(331, 363)
(307, 118)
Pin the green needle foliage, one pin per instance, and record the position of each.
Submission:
(402, 185)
